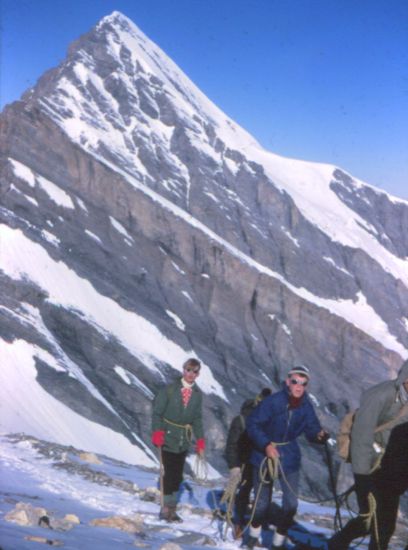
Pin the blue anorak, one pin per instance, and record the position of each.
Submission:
(274, 421)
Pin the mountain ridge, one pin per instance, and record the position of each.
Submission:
(179, 235)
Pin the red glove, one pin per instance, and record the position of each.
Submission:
(158, 438)
(200, 445)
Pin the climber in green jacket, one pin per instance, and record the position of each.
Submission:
(177, 417)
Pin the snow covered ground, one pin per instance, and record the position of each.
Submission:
(54, 477)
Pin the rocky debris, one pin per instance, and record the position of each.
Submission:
(90, 457)
(50, 542)
(72, 518)
(195, 538)
(28, 515)
(151, 494)
(130, 524)
(48, 449)
(96, 476)
(170, 546)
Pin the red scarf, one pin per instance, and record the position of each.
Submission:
(186, 395)
(294, 402)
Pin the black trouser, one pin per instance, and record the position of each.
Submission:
(242, 498)
(263, 488)
(387, 501)
(387, 511)
(173, 465)
(356, 527)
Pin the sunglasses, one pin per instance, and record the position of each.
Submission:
(297, 382)
(192, 369)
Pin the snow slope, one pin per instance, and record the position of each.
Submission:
(56, 479)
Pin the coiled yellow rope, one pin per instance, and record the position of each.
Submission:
(370, 518)
(187, 427)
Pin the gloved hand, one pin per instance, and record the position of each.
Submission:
(158, 438)
(232, 484)
(322, 436)
(234, 475)
(200, 446)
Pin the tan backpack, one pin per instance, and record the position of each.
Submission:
(343, 437)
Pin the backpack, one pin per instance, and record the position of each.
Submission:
(244, 443)
(343, 437)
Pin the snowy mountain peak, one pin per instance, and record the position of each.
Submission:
(117, 89)
(123, 100)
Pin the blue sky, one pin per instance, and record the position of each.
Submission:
(320, 80)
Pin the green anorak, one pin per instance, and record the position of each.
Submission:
(177, 421)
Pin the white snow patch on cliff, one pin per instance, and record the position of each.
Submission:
(151, 347)
(56, 194)
(23, 172)
(27, 407)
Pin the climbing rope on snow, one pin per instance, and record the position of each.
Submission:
(200, 468)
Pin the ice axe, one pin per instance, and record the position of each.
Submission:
(337, 517)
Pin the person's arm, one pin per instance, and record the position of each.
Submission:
(363, 431)
(313, 429)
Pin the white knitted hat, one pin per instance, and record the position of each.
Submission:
(300, 369)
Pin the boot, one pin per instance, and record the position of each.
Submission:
(252, 540)
(174, 517)
(165, 513)
(238, 532)
(250, 543)
(355, 528)
(278, 541)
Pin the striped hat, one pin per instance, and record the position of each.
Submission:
(300, 369)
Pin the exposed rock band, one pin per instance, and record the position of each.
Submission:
(262, 447)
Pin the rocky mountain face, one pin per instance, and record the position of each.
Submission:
(141, 226)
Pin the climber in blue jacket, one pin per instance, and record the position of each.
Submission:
(274, 427)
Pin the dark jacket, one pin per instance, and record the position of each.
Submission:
(393, 472)
(239, 445)
(379, 405)
(273, 421)
(168, 410)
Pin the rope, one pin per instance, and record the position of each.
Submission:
(228, 498)
(231, 488)
(367, 518)
(370, 518)
(272, 467)
(187, 427)
(229, 514)
(200, 468)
